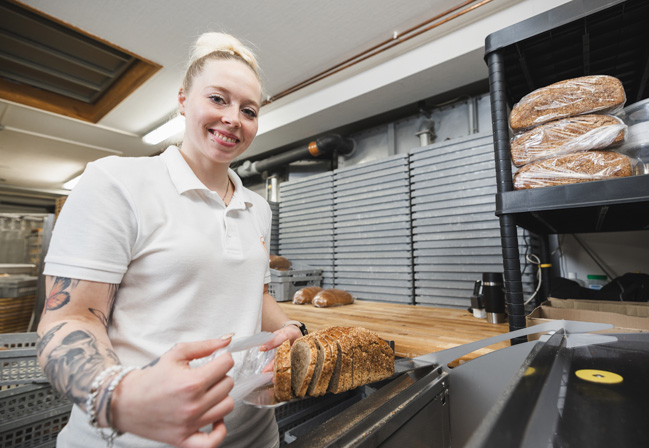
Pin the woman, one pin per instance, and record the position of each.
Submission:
(151, 260)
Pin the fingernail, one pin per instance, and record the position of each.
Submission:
(225, 337)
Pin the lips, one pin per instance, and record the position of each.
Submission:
(226, 138)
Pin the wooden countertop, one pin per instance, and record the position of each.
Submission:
(415, 329)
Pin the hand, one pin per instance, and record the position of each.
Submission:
(290, 332)
(169, 401)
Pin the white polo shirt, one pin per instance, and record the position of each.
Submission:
(189, 268)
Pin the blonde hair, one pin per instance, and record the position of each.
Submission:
(218, 46)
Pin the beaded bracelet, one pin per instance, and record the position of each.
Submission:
(92, 412)
(94, 392)
(109, 398)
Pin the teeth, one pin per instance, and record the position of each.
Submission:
(223, 137)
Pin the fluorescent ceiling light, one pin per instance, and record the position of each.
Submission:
(69, 185)
(162, 133)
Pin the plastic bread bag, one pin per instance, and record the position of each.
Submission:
(573, 134)
(332, 297)
(574, 168)
(248, 363)
(305, 295)
(636, 116)
(635, 113)
(577, 96)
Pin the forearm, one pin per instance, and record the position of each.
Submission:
(72, 353)
(73, 347)
(272, 317)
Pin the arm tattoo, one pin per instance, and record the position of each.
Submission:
(152, 363)
(74, 364)
(42, 342)
(60, 293)
(112, 295)
(101, 316)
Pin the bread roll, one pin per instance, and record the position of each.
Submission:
(305, 295)
(573, 168)
(279, 263)
(573, 134)
(332, 297)
(568, 98)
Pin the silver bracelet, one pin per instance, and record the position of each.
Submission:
(94, 392)
(109, 438)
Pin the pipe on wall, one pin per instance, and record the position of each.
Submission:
(322, 146)
(440, 19)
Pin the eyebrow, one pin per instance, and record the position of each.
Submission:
(229, 92)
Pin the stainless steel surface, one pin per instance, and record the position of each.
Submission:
(427, 403)
(48, 227)
(563, 393)
(496, 318)
(411, 410)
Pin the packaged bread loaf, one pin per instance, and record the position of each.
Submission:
(334, 360)
(279, 263)
(305, 295)
(573, 134)
(573, 168)
(578, 96)
(332, 297)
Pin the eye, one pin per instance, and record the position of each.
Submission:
(250, 113)
(218, 99)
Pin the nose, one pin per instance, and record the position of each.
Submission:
(231, 117)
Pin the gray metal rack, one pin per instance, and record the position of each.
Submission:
(455, 235)
(373, 241)
(579, 38)
(274, 228)
(306, 224)
(31, 412)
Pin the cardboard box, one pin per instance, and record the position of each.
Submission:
(627, 317)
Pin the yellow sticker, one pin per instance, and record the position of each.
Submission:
(599, 376)
(529, 371)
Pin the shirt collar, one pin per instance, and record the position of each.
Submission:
(184, 179)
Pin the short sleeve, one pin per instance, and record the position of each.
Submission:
(95, 231)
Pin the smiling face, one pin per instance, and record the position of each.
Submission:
(221, 109)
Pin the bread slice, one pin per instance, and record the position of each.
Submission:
(341, 379)
(380, 357)
(317, 371)
(363, 356)
(282, 372)
(330, 351)
(372, 359)
(304, 356)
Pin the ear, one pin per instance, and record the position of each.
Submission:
(181, 101)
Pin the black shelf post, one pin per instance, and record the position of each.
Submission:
(508, 232)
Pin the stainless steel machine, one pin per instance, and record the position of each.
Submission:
(569, 388)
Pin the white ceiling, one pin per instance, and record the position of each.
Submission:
(294, 40)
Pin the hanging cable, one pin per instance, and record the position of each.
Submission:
(533, 259)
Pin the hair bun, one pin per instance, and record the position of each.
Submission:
(213, 42)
